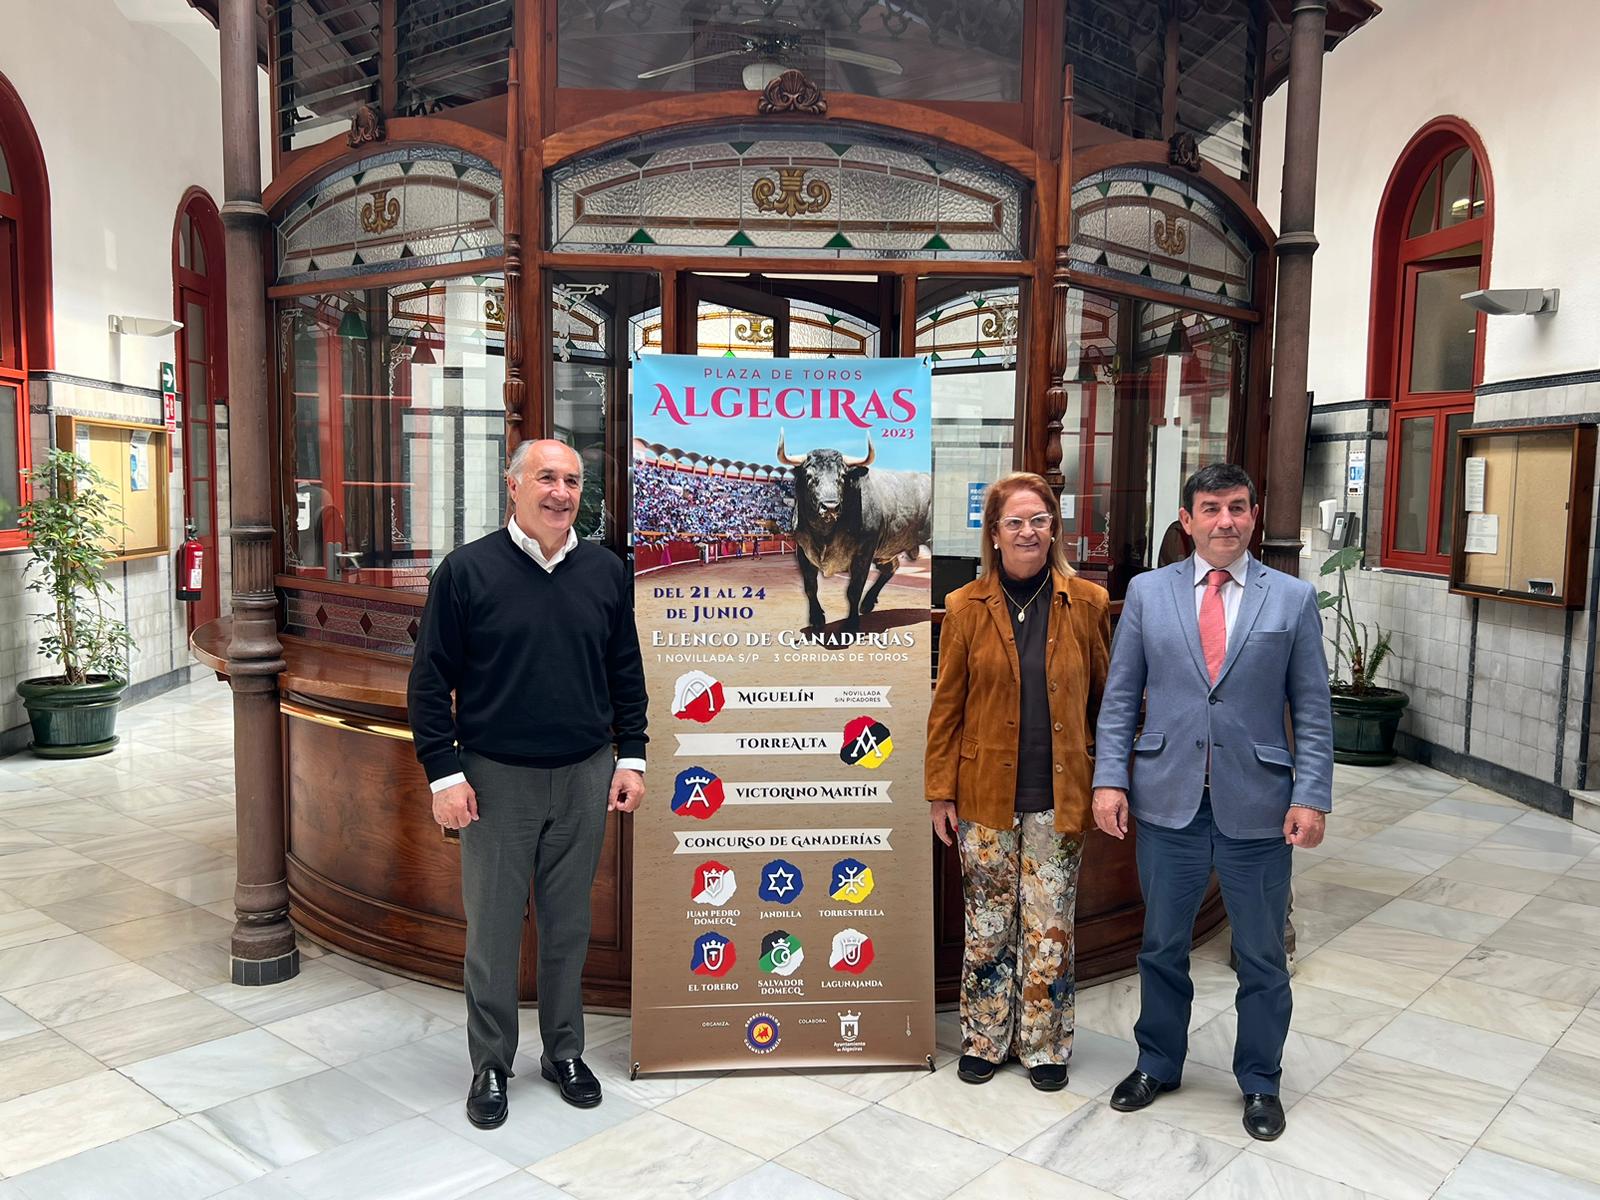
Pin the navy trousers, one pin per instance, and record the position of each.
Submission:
(1174, 867)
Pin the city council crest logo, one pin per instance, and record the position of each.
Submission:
(714, 884)
(852, 951)
(851, 882)
(781, 882)
(849, 1026)
(866, 743)
(697, 793)
(761, 1033)
(697, 697)
(781, 953)
(713, 955)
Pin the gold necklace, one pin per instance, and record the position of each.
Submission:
(1022, 614)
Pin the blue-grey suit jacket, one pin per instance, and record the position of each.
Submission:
(1275, 657)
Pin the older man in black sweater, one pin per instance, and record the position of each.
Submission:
(531, 630)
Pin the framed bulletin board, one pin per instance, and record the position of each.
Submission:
(1522, 507)
(133, 459)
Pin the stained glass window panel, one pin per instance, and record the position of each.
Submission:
(413, 207)
(805, 193)
(1155, 229)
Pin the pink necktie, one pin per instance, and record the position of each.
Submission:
(1214, 622)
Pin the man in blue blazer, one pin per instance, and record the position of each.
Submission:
(1225, 653)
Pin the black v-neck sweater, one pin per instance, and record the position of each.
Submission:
(544, 665)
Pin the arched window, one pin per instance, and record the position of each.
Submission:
(24, 296)
(1432, 245)
(198, 296)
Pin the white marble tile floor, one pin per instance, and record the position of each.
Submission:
(1445, 1040)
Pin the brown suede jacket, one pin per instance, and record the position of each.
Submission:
(972, 727)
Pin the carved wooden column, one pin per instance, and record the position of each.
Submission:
(264, 949)
(1297, 242)
(516, 387)
(1055, 397)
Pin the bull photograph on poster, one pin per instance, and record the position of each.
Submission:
(782, 528)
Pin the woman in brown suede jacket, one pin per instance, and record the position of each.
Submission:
(1023, 653)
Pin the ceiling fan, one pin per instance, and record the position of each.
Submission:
(770, 49)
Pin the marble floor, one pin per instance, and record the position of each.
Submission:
(1446, 1035)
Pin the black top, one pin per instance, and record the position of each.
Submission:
(1035, 789)
(545, 665)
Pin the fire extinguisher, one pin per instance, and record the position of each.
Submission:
(190, 568)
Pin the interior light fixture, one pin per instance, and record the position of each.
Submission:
(142, 326)
(1514, 302)
(352, 326)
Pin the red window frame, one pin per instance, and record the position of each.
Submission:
(25, 308)
(208, 289)
(1399, 260)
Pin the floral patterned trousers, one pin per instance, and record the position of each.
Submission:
(1020, 887)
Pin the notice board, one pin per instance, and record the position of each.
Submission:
(1522, 506)
(782, 882)
(132, 458)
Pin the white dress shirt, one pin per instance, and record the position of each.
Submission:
(1232, 589)
(530, 547)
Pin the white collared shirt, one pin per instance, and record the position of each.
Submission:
(530, 547)
(1232, 589)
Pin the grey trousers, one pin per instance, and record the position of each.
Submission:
(545, 827)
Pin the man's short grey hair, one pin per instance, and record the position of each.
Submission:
(519, 456)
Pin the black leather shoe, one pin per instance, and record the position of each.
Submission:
(1138, 1091)
(486, 1102)
(1263, 1116)
(1048, 1077)
(578, 1085)
(973, 1069)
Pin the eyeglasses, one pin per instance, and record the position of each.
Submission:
(1039, 522)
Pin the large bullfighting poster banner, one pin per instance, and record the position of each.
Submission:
(782, 891)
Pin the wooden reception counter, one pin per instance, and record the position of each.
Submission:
(371, 874)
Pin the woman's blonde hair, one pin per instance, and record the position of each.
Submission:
(1000, 492)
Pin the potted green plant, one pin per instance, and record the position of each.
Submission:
(1365, 716)
(70, 523)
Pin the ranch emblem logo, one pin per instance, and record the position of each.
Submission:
(852, 951)
(713, 955)
(697, 793)
(781, 953)
(866, 743)
(714, 884)
(781, 882)
(852, 881)
(697, 697)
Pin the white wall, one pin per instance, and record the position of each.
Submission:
(125, 97)
(129, 114)
(1522, 75)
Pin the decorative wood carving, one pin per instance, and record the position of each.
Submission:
(367, 125)
(792, 92)
(1183, 151)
